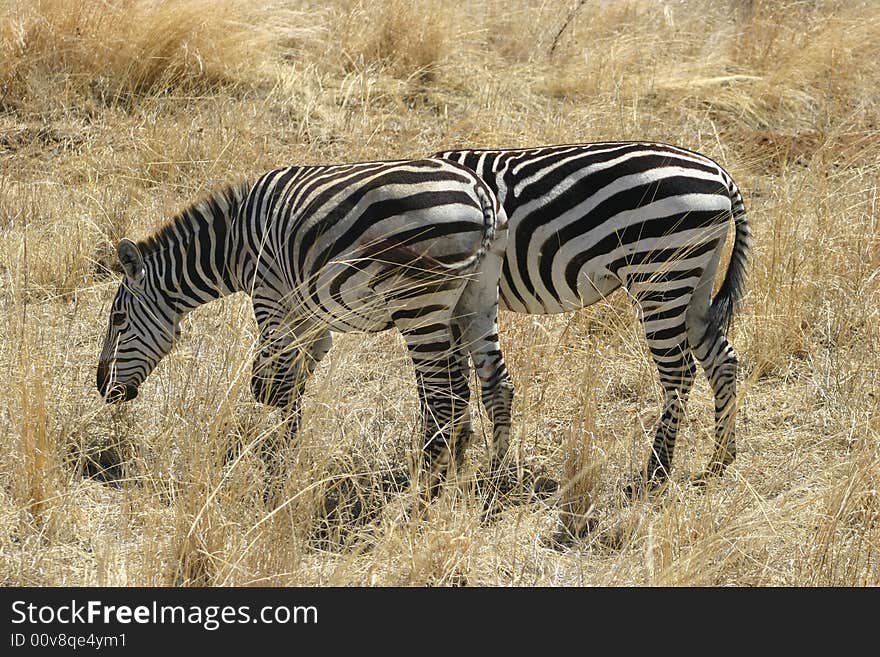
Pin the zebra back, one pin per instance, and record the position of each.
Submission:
(557, 202)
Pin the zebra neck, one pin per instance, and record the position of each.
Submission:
(194, 258)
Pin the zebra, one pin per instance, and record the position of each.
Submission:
(415, 245)
(586, 219)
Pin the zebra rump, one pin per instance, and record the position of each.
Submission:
(586, 219)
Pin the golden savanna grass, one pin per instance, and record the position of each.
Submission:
(114, 114)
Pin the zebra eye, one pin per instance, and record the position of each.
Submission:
(117, 319)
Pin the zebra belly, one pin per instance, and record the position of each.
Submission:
(366, 297)
(594, 282)
(344, 300)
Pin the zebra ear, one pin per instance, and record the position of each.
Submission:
(131, 260)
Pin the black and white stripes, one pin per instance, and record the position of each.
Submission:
(586, 219)
(362, 247)
(425, 246)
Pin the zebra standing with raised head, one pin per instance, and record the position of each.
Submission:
(361, 247)
(586, 219)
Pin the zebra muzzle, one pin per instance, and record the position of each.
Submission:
(120, 392)
(116, 392)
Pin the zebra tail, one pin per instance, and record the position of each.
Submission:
(733, 287)
(490, 228)
(420, 266)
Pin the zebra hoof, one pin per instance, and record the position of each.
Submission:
(699, 482)
(490, 513)
(270, 391)
(564, 538)
(505, 488)
(560, 540)
(702, 480)
(350, 503)
(395, 481)
(509, 485)
(640, 488)
(544, 487)
(713, 471)
(502, 481)
(634, 490)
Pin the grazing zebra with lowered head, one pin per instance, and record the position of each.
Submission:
(586, 219)
(361, 247)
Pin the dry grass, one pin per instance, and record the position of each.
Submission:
(114, 114)
(114, 51)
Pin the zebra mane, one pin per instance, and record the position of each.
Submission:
(219, 203)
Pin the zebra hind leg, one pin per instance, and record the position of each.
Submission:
(443, 393)
(666, 334)
(462, 360)
(719, 361)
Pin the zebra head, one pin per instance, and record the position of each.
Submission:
(142, 329)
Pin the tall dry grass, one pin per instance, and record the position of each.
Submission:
(70, 52)
(115, 114)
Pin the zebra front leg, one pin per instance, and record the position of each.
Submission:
(274, 375)
(277, 381)
(475, 321)
(286, 359)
